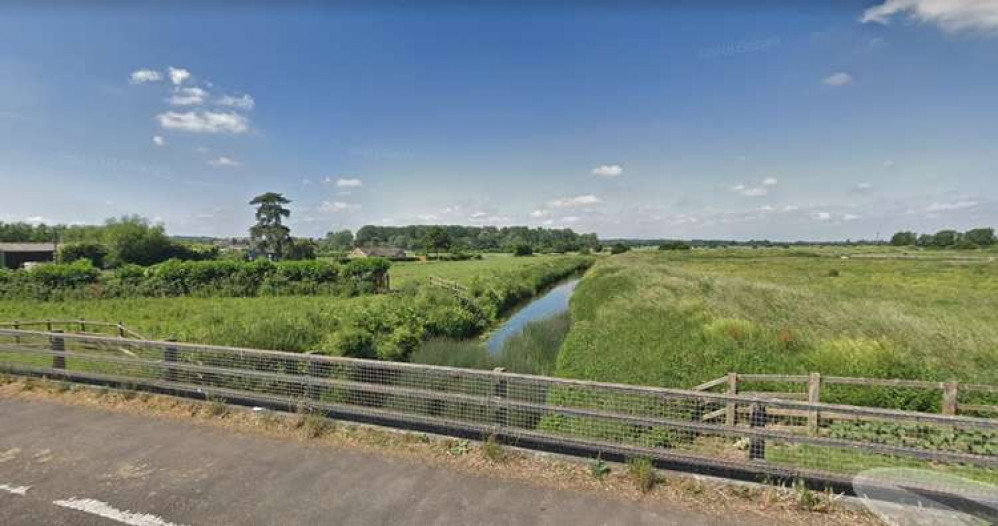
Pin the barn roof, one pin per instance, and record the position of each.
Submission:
(27, 247)
(382, 251)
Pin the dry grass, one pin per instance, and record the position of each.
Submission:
(773, 504)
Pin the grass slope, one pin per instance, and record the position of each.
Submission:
(678, 319)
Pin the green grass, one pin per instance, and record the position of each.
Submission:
(396, 323)
(679, 319)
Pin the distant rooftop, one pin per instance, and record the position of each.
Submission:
(27, 247)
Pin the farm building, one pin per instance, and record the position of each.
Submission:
(15, 255)
(377, 252)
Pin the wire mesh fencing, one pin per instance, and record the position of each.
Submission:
(766, 436)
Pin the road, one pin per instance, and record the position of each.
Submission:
(72, 465)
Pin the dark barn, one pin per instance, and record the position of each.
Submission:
(15, 255)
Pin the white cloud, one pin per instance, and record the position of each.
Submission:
(770, 181)
(791, 208)
(192, 96)
(537, 214)
(335, 207)
(572, 202)
(570, 219)
(888, 163)
(204, 122)
(755, 191)
(946, 207)
(243, 102)
(142, 76)
(850, 217)
(838, 79)
(821, 216)
(951, 15)
(178, 75)
(158, 140)
(608, 170)
(479, 215)
(224, 161)
(349, 183)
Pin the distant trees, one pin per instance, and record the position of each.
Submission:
(436, 239)
(904, 239)
(522, 250)
(337, 241)
(269, 234)
(478, 238)
(619, 248)
(949, 238)
(95, 253)
(674, 245)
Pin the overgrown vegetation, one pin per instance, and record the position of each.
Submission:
(81, 280)
(678, 318)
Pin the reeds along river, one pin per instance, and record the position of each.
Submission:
(554, 301)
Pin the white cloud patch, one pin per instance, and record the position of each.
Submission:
(204, 122)
(335, 207)
(538, 214)
(349, 183)
(850, 217)
(838, 79)
(224, 161)
(947, 207)
(953, 16)
(158, 140)
(762, 189)
(192, 96)
(821, 216)
(573, 202)
(242, 102)
(608, 170)
(178, 75)
(570, 219)
(142, 76)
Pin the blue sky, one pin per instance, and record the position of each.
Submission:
(705, 120)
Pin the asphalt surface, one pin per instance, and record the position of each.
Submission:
(73, 465)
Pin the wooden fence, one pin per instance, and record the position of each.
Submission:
(81, 326)
(734, 384)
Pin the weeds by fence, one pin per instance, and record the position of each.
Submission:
(765, 437)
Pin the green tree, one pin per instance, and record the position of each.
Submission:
(945, 238)
(301, 249)
(338, 241)
(436, 239)
(983, 237)
(95, 253)
(269, 233)
(133, 239)
(904, 239)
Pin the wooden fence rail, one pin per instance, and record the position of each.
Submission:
(949, 401)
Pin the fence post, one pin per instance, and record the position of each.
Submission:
(58, 344)
(757, 445)
(83, 325)
(314, 370)
(813, 397)
(732, 414)
(121, 330)
(499, 392)
(949, 397)
(17, 327)
(170, 356)
(48, 325)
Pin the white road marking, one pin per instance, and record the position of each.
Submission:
(16, 490)
(107, 511)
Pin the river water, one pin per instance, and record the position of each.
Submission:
(553, 302)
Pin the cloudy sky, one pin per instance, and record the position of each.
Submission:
(708, 120)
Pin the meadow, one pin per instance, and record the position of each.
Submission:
(387, 326)
(679, 318)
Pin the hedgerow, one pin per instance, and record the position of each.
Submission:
(223, 278)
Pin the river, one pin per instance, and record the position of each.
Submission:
(554, 301)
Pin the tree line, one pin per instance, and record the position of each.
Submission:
(971, 239)
(462, 238)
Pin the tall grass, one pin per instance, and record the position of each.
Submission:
(677, 320)
(534, 350)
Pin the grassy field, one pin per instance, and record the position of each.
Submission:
(394, 323)
(678, 319)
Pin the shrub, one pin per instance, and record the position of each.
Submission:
(675, 245)
(95, 253)
(522, 250)
(619, 248)
(352, 342)
(642, 473)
